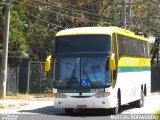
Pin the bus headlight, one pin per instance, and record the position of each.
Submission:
(104, 94)
(61, 95)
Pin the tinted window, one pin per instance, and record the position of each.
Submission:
(132, 47)
(84, 72)
(145, 49)
(83, 43)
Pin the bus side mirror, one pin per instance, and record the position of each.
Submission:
(112, 62)
(48, 63)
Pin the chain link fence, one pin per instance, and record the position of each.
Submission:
(39, 81)
(24, 76)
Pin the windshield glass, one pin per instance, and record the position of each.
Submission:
(84, 72)
(82, 43)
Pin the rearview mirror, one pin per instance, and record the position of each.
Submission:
(48, 63)
(112, 62)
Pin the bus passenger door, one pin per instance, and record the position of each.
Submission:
(114, 50)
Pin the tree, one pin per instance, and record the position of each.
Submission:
(17, 41)
(38, 20)
(146, 17)
(17, 35)
(40, 42)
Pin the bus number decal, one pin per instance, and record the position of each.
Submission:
(97, 90)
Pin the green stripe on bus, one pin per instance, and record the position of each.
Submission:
(133, 69)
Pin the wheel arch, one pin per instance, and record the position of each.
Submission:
(145, 90)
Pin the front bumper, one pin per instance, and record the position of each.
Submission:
(89, 102)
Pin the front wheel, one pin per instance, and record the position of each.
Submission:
(68, 111)
(115, 110)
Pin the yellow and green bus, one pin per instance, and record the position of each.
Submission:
(100, 67)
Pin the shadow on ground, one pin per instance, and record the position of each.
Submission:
(50, 110)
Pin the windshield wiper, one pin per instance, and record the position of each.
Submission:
(94, 68)
(85, 73)
(73, 74)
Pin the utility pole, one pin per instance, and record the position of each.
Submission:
(123, 16)
(130, 12)
(3, 80)
(124, 4)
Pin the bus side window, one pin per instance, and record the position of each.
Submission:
(137, 53)
(148, 55)
(141, 48)
(120, 45)
(145, 49)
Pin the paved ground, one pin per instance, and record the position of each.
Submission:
(38, 109)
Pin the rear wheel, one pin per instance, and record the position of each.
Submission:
(68, 111)
(140, 103)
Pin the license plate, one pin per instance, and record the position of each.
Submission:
(81, 106)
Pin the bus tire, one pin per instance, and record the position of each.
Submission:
(115, 110)
(140, 103)
(68, 111)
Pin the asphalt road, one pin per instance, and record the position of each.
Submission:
(44, 110)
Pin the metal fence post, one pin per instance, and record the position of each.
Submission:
(41, 78)
(28, 81)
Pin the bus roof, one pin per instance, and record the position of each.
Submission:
(98, 30)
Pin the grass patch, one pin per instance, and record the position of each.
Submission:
(29, 96)
(11, 105)
(1, 98)
(43, 95)
(2, 105)
(23, 104)
(158, 114)
(19, 95)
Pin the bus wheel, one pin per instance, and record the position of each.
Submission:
(140, 103)
(115, 110)
(68, 111)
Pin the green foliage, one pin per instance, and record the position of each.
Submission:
(1, 28)
(35, 22)
(158, 114)
(17, 40)
(42, 44)
(146, 17)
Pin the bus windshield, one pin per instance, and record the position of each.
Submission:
(82, 44)
(82, 72)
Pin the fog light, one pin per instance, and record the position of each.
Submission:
(103, 102)
(59, 103)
